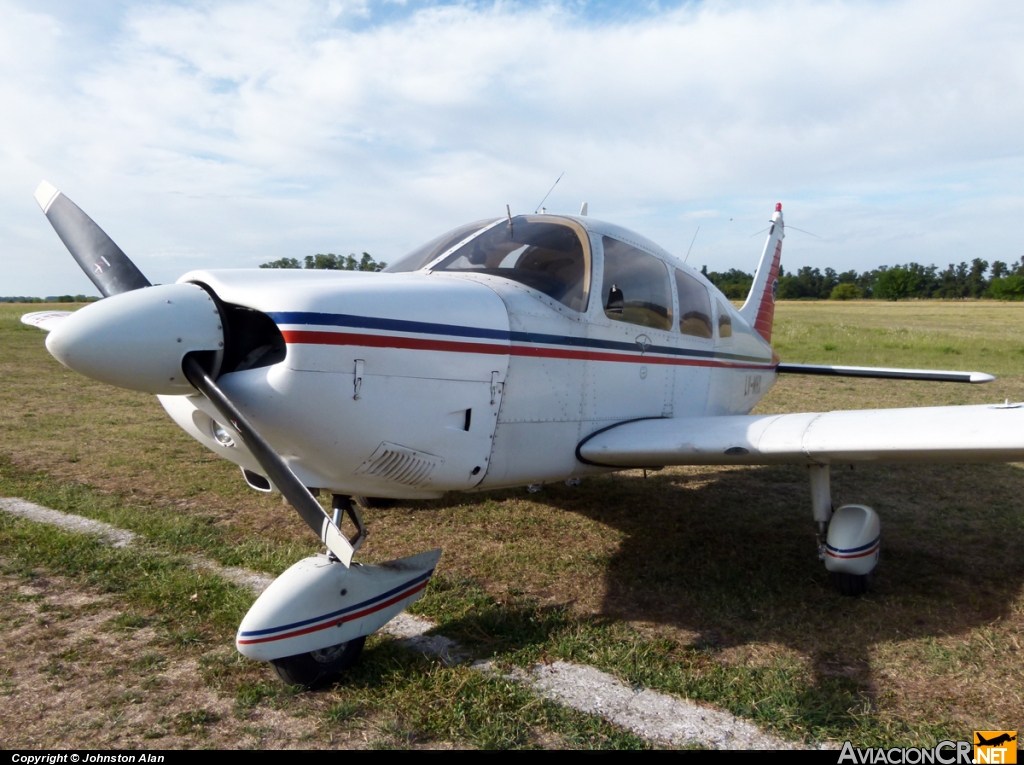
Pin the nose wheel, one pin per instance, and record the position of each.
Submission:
(316, 669)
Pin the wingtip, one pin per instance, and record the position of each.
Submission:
(981, 377)
(45, 194)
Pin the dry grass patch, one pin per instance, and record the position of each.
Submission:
(75, 678)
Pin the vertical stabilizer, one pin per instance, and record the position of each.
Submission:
(759, 310)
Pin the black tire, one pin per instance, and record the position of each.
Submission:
(318, 668)
(851, 584)
(375, 503)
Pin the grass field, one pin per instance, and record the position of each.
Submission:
(698, 581)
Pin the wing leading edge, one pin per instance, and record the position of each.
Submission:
(923, 434)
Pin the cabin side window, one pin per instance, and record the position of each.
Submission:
(636, 287)
(694, 306)
(548, 256)
(724, 321)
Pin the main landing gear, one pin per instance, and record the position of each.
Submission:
(848, 539)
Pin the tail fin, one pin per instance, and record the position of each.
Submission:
(759, 310)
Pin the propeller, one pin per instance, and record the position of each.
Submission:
(102, 260)
(277, 469)
(147, 328)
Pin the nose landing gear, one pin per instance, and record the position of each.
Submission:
(312, 621)
(849, 539)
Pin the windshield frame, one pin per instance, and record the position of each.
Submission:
(433, 264)
(471, 234)
(581, 234)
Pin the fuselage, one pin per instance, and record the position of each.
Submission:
(482, 361)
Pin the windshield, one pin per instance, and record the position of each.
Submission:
(425, 253)
(550, 256)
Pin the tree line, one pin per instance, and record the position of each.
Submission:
(330, 262)
(913, 280)
(973, 280)
(50, 299)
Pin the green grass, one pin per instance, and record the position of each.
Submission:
(701, 582)
(148, 579)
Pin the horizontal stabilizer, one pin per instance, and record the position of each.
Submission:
(948, 434)
(885, 373)
(45, 320)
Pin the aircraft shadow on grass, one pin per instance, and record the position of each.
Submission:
(726, 559)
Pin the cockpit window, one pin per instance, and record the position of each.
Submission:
(636, 286)
(551, 256)
(423, 254)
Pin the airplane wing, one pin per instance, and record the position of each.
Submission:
(923, 434)
(45, 320)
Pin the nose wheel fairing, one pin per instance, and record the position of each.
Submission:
(317, 604)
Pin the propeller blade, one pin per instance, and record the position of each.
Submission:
(102, 260)
(276, 468)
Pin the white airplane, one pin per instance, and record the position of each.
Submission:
(507, 352)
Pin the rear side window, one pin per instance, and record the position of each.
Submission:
(724, 321)
(551, 257)
(425, 253)
(694, 306)
(636, 287)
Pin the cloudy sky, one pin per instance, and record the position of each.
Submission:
(222, 134)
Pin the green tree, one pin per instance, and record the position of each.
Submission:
(734, 284)
(330, 262)
(845, 291)
(896, 282)
(282, 263)
(1007, 287)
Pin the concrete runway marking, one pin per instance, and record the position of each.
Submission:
(111, 534)
(657, 717)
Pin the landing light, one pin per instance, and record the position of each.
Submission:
(220, 435)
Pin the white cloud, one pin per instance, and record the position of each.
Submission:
(233, 133)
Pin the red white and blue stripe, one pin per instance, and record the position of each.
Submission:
(854, 552)
(334, 618)
(335, 329)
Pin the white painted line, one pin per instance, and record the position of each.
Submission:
(253, 581)
(651, 715)
(115, 536)
(410, 629)
(654, 716)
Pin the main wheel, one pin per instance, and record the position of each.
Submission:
(318, 668)
(850, 584)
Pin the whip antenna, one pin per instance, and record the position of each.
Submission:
(691, 244)
(549, 192)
